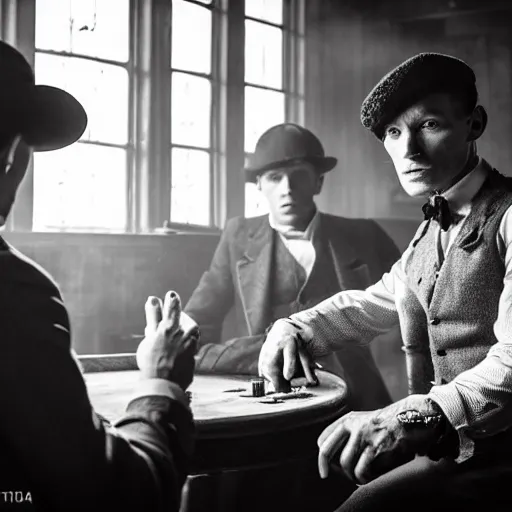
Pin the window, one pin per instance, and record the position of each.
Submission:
(191, 114)
(274, 36)
(168, 103)
(83, 46)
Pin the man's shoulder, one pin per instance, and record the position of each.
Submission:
(350, 225)
(244, 225)
(15, 267)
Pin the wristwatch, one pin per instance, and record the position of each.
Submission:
(433, 418)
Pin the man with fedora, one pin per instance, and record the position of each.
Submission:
(448, 445)
(273, 265)
(57, 453)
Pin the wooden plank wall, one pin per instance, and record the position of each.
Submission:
(106, 279)
(351, 44)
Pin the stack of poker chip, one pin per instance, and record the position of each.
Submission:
(258, 387)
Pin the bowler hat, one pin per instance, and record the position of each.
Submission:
(285, 145)
(412, 80)
(46, 117)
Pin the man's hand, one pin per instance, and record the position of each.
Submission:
(283, 356)
(169, 346)
(375, 442)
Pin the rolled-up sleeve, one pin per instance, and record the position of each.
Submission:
(478, 402)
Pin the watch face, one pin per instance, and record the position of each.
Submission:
(413, 419)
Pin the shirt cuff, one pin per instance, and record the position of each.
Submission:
(448, 399)
(160, 387)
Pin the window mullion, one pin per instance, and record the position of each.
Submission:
(159, 189)
(231, 197)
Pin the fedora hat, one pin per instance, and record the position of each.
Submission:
(48, 118)
(285, 145)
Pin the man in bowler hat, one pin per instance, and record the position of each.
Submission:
(448, 445)
(274, 265)
(57, 454)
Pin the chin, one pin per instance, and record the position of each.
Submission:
(417, 189)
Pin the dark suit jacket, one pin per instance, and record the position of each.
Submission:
(239, 278)
(52, 443)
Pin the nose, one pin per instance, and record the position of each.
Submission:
(285, 185)
(409, 145)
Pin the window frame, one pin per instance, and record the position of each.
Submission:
(149, 140)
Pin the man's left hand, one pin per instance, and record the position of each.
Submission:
(375, 442)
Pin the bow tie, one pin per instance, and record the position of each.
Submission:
(439, 211)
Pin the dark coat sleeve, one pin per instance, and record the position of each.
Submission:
(69, 458)
(214, 295)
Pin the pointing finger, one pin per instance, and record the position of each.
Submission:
(153, 310)
(289, 359)
(172, 310)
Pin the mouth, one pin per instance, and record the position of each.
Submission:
(416, 170)
(288, 206)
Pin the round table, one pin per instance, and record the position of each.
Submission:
(241, 440)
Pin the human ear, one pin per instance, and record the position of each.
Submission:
(477, 123)
(319, 184)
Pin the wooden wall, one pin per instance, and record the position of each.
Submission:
(352, 44)
(106, 279)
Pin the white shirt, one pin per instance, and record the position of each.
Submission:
(362, 315)
(459, 200)
(299, 243)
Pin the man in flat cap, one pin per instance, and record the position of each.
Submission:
(57, 453)
(274, 265)
(448, 445)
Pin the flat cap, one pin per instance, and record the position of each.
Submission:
(415, 78)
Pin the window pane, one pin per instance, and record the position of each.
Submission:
(190, 196)
(269, 10)
(191, 37)
(263, 109)
(98, 28)
(255, 203)
(191, 107)
(82, 186)
(101, 88)
(263, 54)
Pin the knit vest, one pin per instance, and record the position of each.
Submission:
(459, 299)
(291, 291)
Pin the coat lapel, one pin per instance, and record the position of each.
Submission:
(254, 276)
(352, 273)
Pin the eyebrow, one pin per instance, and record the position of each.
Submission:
(418, 114)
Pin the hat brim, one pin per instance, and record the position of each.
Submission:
(322, 164)
(48, 118)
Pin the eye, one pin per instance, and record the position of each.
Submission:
(431, 124)
(392, 132)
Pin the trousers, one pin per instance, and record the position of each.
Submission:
(482, 482)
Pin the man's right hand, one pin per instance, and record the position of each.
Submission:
(168, 348)
(284, 357)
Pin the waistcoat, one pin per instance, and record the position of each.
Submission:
(447, 323)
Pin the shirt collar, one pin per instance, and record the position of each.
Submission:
(462, 193)
(292, 233)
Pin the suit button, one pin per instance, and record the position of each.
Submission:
(435, 321)
(441, 352)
